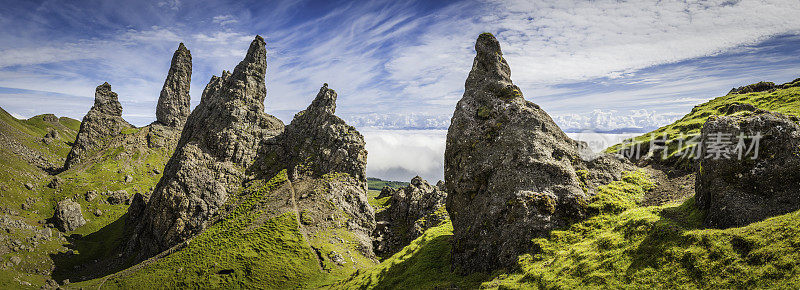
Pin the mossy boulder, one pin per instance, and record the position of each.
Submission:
(750, 168)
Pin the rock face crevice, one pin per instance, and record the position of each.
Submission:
(102, 122)
(737, 190)
(218, 143)
(173, 103)
(511, 174)
(409, 212)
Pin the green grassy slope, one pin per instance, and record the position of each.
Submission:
(785, 100)
(374, 186)
(623, 245)
(23, 152)
(258, 245)
(378, 184)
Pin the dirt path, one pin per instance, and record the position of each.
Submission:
(669, 187)
(299, 223)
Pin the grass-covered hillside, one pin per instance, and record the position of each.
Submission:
(280, 235)
(32, 252)
(782, 99)
(622, 245)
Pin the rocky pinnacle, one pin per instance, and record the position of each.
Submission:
(319, 142)
(510, 172)
(218, 144)
(173, 104)
(103, 120)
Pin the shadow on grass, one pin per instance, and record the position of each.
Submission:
(426, 267)
(93, 255)
(666, 233)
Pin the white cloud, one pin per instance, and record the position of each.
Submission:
(611, 119)
(171, 4)
(552, 42)
(224, 20)
(401, 155)
(409, 121)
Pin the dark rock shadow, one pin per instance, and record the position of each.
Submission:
(91, 256)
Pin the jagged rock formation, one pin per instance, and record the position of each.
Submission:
(218, 144)
(326, 162)
(318, 142)
(763, 182)
(102, 122)
(409, 212)
(511, 174)
(68, 215)
(173, 104)
(752, 88)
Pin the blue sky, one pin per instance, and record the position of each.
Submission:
(402, 64)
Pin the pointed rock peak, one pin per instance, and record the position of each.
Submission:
(325, 100)
(181, 52)
(105, 101)
(487, 43)
(489, 62)
(417, 181)
(173, 103)
(255, 62)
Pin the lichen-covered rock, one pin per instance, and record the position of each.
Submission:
(50, 118)
(318, 142)
(118, 197)
(511, 174)
(752, 88)
(217, 146)
(101, 123)
(736, 191)
(409, 212)
(68, 215)
(50, 137)
(173, 104)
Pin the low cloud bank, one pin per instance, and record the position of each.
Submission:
(402, 154)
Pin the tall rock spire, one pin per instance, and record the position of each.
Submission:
(510, 172)
(218, 144)
(103, 120)
(173, 104)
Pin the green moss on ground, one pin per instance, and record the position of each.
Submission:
(424, 264)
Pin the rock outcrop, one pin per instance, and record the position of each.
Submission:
(318, 142)
(173, 104)
(325, 160)
(217, 146)
(511, 174)
(102, 122)
(750, 168)
(752, 88)
(409, 212)
(68, 215)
